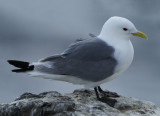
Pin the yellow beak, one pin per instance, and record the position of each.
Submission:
(140, 34)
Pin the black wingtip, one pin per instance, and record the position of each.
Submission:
(19, 64)
(15, 61)
(23, 66)
(19, 70)
(10, 61)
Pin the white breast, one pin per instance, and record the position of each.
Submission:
(124, 53)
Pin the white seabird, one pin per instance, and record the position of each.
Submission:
(89, 62)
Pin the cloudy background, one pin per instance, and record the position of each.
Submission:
(34, 29)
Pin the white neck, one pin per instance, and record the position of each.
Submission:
(112, 40)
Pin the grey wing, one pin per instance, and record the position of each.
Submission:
(51, 58)
(90, 60)
(89, 50)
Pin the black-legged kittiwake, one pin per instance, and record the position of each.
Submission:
(89, 62)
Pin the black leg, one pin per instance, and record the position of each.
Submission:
(95, 89)
(100, 89)
(107, 93)
(109, 101)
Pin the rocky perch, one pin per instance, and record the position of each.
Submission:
(79, 103)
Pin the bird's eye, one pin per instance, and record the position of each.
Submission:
(125, 29)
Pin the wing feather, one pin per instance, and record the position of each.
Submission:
(90, 59)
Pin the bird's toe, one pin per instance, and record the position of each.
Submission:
(109, 101)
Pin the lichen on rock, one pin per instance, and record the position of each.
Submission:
(79, 103)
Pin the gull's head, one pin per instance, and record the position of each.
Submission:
(120, 28)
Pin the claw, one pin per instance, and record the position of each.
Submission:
(109, 101)
(108, 93)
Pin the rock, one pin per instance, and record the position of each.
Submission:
(79, 103)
